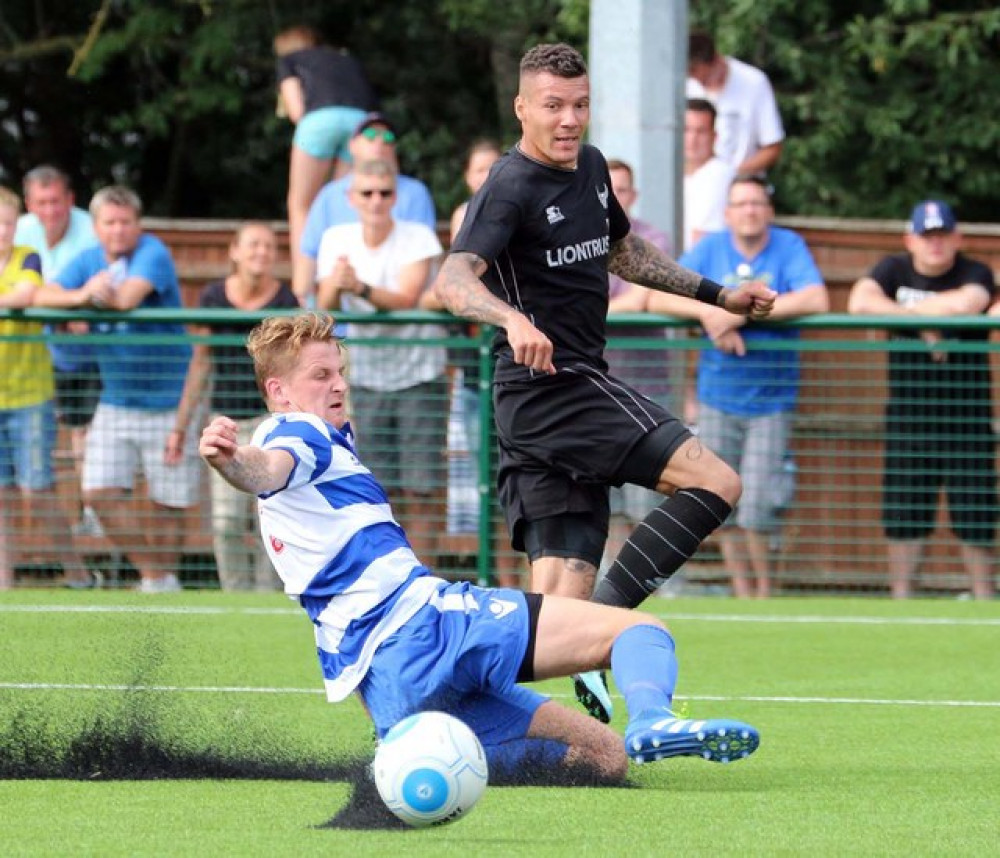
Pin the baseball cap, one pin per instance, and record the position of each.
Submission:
(374, 119)
(932, 215)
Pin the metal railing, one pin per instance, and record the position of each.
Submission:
(830, 536)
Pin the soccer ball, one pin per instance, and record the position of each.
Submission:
(430, 769)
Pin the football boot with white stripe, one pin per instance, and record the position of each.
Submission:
(659, 734)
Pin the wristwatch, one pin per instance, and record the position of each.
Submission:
(366, 292)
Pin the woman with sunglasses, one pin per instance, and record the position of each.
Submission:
(324, 91)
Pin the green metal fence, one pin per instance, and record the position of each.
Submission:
(831, 511)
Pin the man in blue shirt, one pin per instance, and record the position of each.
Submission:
(373, 140)
(143, 367)
(58, 230)
(746, 397)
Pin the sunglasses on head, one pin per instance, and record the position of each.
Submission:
(384, 193)
(375, 133)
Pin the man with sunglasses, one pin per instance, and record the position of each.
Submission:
(374, 139)
(746, 397)
(400, 395)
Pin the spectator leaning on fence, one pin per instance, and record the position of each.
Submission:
(227, 369)
(746, 398)
(58, 230)
(142, 367)
(27, 413)
(938, 417)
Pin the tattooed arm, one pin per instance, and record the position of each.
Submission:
(636, 260)
(460, 290)
(247, 468)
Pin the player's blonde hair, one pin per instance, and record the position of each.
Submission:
(276, 343)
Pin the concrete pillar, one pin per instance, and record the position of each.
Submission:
(638, 67)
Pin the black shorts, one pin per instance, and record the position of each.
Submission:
(77, 392)
(564, 439)
(915, 472)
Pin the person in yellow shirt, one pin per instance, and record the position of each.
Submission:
(27, 411)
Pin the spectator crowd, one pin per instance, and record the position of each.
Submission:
(128, 398)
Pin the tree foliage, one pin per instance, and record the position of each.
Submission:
(884, 102)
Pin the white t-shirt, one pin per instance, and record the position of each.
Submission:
(385, 367)
(748, 117)
(705, 193)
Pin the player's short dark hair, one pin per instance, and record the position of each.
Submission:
(701, 47)
(558, 59)
(702, 105)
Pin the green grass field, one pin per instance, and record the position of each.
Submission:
(880, 729)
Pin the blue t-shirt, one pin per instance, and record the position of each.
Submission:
(761, 382)
(145, 376)
(332, 208)
(66, 357)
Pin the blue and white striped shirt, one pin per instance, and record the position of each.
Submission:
(333, 540)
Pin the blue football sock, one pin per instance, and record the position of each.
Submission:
(645, 668)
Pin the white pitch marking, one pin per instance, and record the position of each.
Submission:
(740, 698)
(805, 619)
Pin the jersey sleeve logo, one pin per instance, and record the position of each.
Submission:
(602, 195)
(554, 215)
(277, 545)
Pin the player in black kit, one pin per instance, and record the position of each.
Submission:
(542, 233)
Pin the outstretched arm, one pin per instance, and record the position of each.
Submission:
(247, 468)
(460, 290)
(636, 260)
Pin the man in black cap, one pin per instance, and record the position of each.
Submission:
(374, 139)
(938, 416)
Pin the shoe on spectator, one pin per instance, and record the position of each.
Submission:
(93, 581)
(166, 584)
(658, 734)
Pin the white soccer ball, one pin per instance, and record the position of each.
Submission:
(430, 769)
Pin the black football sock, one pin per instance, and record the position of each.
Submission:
(660, 544)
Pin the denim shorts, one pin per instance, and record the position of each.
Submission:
(27, 439)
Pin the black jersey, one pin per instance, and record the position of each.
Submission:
(329, 77)
(546, 233)
(922, 389)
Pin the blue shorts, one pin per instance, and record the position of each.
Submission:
(325, 133)
(27, 439)
(459, 654)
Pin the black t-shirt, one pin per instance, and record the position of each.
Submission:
(330, 78)
(546, 233)
(234, 391)
(936, 393)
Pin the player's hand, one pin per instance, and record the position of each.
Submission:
(751, 298)
(531, 347)
(218, 444)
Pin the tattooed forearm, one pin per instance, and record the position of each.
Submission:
(636, 260)
(459, 288)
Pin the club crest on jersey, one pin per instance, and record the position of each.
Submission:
(602, 195)
(277, 545)
(554, 215)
